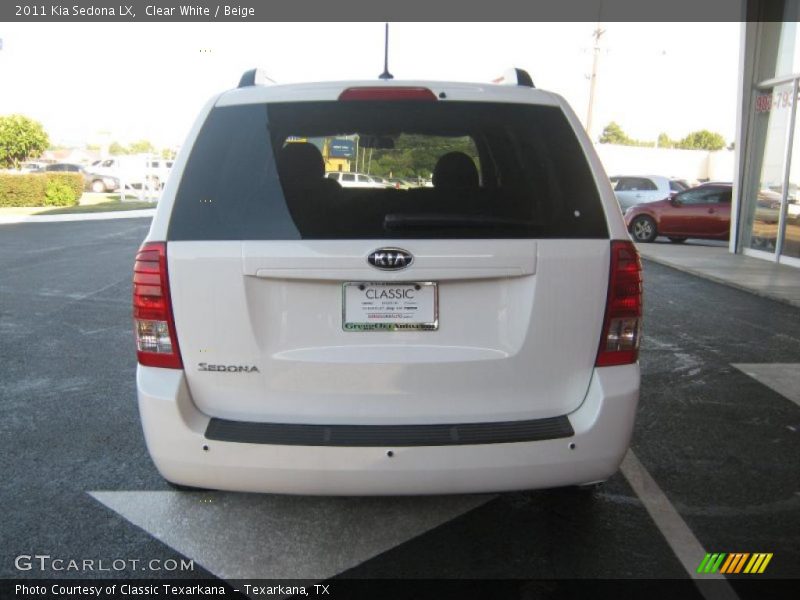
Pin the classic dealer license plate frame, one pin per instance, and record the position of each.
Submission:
(390, 313)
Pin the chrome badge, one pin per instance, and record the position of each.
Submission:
(390, 259)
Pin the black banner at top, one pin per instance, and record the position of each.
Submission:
(150, 11)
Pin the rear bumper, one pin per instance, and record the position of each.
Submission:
(175, 434)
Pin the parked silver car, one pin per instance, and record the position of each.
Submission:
(638, 189)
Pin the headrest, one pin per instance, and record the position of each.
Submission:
(455, 170)
(301, 162)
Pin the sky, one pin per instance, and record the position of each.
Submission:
(93, 82)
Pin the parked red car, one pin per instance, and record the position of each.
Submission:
(700, 212)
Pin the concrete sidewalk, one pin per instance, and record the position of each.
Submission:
(713, 261)
(99, 216)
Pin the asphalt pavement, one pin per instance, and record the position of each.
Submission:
(720, 445)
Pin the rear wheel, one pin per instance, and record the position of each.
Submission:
(98, 186)
(643, 229)
(185, 488)
(677, 240)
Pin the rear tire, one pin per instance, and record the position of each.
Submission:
(185, 488)
(643, 229)
(590, 488)
(677, 240)
(98, 186)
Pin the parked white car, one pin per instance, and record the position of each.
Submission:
(639, 189)
(158, 170)
(354, 180)
(297, 336)
(136, 169)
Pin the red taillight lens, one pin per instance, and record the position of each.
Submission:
(388, 93)
(622, 325)
(154, 326)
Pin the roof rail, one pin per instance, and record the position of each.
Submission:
(254, 77)
(515, 76)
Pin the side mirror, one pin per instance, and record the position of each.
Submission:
(675, 201)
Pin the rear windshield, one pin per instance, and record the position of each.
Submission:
(386, 170)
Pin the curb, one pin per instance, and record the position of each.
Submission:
(100, 216)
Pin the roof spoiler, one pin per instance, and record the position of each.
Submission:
(515, 76)
(254, 77)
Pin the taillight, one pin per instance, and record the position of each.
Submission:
(622, 325)
(387, 93)
(156, 342)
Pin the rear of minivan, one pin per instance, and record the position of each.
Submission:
(295, 336)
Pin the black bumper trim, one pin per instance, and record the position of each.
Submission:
(454, 434)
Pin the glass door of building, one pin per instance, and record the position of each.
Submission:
(771, 195)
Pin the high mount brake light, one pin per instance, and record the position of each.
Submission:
(622, 325)
(388, 93)
(154, 325)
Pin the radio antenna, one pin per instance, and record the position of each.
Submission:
(386, 74)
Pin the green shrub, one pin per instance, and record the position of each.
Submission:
(40, 189)
(58, 193)
(21, 190)
(74, 181)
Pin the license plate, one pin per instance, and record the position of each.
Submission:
(371, 306)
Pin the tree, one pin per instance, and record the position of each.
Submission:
(141, 147)
(613, 134)
(414, 155)
(20, 138)
(664, 141)
(702, 140)
(116, 149)
(697, 140)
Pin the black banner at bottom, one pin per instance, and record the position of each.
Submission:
(393, 589)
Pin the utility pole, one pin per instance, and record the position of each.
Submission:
(596, 34)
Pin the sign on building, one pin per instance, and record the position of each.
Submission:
(341, 148)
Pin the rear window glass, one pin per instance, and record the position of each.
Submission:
(473, 170)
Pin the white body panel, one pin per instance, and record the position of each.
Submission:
(174, 431)
(519, 323)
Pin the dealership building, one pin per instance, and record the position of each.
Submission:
(765, 216)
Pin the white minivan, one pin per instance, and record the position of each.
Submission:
(297, 336)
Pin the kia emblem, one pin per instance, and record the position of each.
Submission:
(390, 259)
